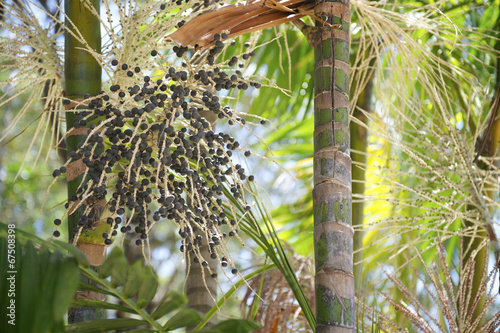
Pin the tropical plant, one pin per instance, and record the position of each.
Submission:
(432, 66)
(37, 286)
(99, 159)
(398, 214)
(43, 279)
(454, 302)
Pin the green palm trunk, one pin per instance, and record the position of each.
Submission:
(332, 197)
(82, 74)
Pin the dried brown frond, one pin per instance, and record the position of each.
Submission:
(278, 310)
(239, 19)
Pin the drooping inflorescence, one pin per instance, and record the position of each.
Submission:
(151, 154)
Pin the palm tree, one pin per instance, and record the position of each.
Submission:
(332, 196)
(86, 206)
(404, 208)
(425, 200)
(82, 76)
(332, 193)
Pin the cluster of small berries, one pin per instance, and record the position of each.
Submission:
(151, 154)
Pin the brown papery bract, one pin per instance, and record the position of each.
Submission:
(239, 19)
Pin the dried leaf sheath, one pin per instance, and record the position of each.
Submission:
(239, 19)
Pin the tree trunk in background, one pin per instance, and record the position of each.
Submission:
(359, 142)
(201, 288)
(478, 278)
(199, 298)
(332, 198)
(474, 243)
(82, 75)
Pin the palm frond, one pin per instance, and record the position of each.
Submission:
(452, 302)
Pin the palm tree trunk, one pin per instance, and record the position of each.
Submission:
(332, 197)
(480, 260)
(201, 288)
(82, 75)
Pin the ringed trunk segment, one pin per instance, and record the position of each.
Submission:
(82, 74)
(332, 194)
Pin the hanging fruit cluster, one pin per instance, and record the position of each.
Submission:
(151, 154)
